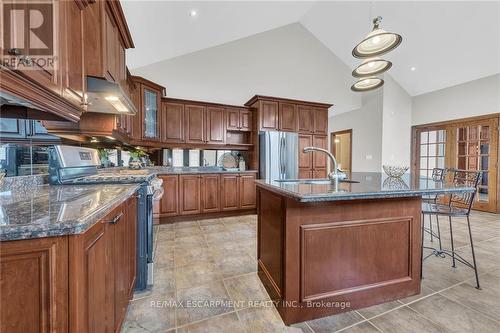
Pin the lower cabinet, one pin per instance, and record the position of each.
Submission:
(77, 283)
(207, 193)
(312, 165)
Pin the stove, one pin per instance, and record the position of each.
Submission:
(70, 165)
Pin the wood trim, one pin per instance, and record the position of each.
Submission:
(457, 121)
(205, 216)
(119, 17)
(40, 97)
(332, 150)
(198, 102)
(150, 84)
(296, 101)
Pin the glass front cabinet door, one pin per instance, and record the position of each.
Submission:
(150, 114)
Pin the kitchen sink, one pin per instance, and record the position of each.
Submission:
(313, 181)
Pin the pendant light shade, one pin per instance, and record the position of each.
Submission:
(371, 67)
(377, 42)
(367, 84)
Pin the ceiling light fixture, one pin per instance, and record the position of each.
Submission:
(367, 84)
(193, 13)
(371, 67)
(377, 42)
(413, 69)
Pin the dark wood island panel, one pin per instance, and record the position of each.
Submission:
(353, 253)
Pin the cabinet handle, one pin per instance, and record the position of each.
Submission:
(116, 219)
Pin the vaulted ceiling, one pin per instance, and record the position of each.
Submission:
(447, 43)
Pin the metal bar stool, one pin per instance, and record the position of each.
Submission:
(459, 205)
(438, 175)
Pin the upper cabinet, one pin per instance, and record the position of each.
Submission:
(281, 114)
(216, 130)
(147, 97)
(172, 122)
(238, 119)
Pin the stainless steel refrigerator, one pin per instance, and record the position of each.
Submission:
(279, 155)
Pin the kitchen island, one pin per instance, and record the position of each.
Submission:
(327, 248)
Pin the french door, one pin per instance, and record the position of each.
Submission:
(467, 145)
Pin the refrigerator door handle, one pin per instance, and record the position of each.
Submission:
(282, 157)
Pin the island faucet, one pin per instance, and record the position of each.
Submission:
(335, 174)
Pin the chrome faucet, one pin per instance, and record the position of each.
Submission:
(335, 174)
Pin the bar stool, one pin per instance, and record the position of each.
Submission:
(439, 176)
(459, 205)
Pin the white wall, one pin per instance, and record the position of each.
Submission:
(366, 125)
(396, 124)
(474, 98)
(284, 62)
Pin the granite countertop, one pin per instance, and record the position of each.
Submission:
(50, 210)
(162, 170)
(369, 186)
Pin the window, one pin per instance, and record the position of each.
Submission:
(432, 151)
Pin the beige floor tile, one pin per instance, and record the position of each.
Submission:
(215, 227)
(405, 320)
(209, 222)
(454, 316)
(164, 281)
(424, 291)
(195, 274)
(364, 327)
(236, 265)
(164, 258)
(227, 323)
(185, 224)
(486, 300)
(165, 235)
(263, 320)
(187, 232)
(335, 322)
(192, 241)
(202, 302)
(190, 255)
(375, 310)
(246, 291)
(152, 314)
(218, 237)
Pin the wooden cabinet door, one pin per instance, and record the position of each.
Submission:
(169, 203)
(305, 159)
(269, 115)
(287, 117)
(215, 128)
(247, 191)
(120, 260)
(306, 119)
(319, 173)
(320, 159)
(34, 285)
(232, 119)
(245, 120)
(195, 123)
(150, 113)
(92, 286)
(189, 194)
(110, 51)
(305, 173)
(320, 121)
(210, 190)
(229, 192)
(173, 122)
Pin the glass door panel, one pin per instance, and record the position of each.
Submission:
(150, 114)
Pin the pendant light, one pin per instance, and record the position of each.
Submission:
(377, 42)
(371, 67)
(367, 84)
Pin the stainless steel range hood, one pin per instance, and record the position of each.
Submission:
(108, 97)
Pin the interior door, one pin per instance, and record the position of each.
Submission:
(476, 149)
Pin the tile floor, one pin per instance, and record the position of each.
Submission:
(211, 266)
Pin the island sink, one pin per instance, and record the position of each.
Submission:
(322, 251)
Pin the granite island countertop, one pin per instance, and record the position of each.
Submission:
(163, 170)
(56, 210)
(365, 186)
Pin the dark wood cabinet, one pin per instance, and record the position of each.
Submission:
(172, 122)
(150, 113)
(305, 159)
(215, 129)
(210, 196)
(320, 121)
(189, 194)
(247, 191)
(233, 119)
(287, 117)
(320, 159)
(314, 164)
(169, 203)
(306, 119)
(268, 114)
(238, 119)
(195, 123)
(34, 285)
(229, 192)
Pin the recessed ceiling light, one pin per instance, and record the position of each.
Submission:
(193, 13)
(413, 69)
